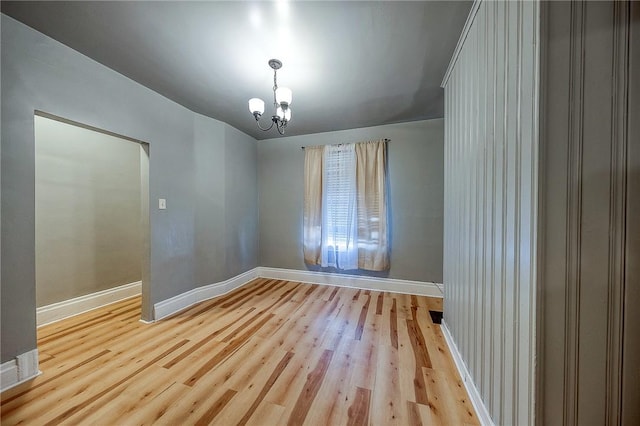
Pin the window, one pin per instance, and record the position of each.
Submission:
(339, 214)
(345, 206)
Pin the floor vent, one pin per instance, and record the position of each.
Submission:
(436, 316)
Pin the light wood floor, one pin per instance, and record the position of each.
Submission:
(271, 353)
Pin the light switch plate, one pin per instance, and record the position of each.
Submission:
(162, 203)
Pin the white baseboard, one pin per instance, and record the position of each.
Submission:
(182, 301)
(24, 367)
(67, 308)
(421, 288)
(472, 390)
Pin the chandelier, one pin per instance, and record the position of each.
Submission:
(281, 102)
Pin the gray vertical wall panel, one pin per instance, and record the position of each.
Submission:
(630, 314)
(209, 157)
(491, 193)
(489, 84)
(241, 202)
(587, 215)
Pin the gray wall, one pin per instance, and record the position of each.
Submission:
(88, 228)
(416, 196)
(241, 202)
(491, 205)
(589, 350)
(226, 211)
(39, 73)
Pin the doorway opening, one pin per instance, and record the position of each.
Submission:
(92, 218)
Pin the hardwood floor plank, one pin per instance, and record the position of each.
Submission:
(365, 355)
(215, 409)
(418, 344)
(357, 295)
(266, 388)
(267, 414)
(394, 325)
(379, 304)
(440, 404)
(153, 412)
(407, 370)
(419, 384)
(413, 411)
(358, 413)
(333, 294)
(387, 394)
(330, 406)
(337, 327)
(314, 380)
(271, 352)
(455, 404)
(361, 320)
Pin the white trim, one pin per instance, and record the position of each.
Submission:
(20, 369)
(461, 40)
(472, 390)
(422, 288)
(67, 308)
(182, 301)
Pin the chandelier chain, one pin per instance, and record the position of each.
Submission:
(275, 87)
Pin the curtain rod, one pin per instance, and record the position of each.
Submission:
(340, 144)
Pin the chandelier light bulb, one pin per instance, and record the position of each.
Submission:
(256, 106)
(283, 96)
(283, 114)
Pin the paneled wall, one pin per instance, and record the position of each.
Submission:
(589, 353)
(491, 163)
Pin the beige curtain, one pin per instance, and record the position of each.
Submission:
(312, 221)
(373, 235)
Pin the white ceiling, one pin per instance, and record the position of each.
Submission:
(349, 64)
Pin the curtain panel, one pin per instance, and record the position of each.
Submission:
(312, 220)
(358, 204)
(373, 235)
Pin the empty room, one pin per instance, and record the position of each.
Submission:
(320, 212)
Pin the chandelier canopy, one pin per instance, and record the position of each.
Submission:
(281, 103)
